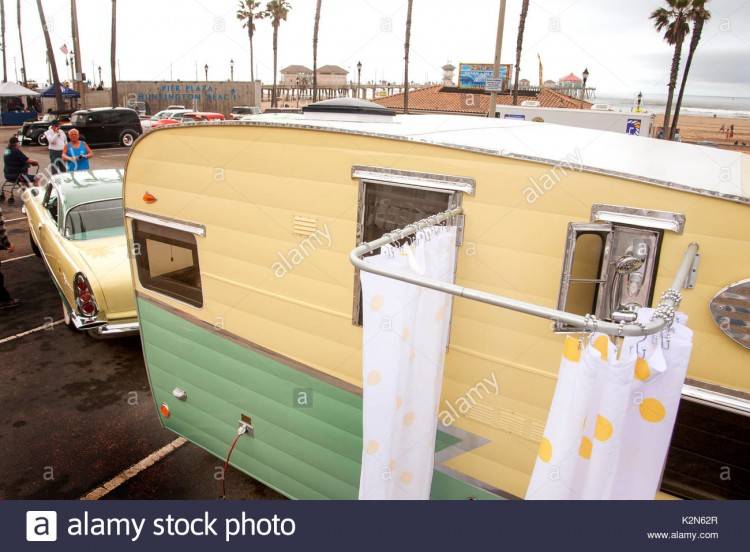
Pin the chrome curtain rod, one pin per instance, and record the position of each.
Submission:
(663, 314)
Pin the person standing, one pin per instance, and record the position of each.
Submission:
(77, 153)
(56, 141)
(6, 301)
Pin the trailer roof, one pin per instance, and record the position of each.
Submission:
(699, 169)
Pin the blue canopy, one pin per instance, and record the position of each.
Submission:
(66, 92)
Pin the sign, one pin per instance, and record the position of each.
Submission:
(475, 75)
(515, 116)
(494, 85)
(633, 127)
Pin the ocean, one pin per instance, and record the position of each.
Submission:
(737, 107)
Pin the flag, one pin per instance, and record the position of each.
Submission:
(64, 49)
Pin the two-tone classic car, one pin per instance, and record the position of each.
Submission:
(76, 227)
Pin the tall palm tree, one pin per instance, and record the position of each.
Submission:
(699, 15)
(20, 39)
(519, 47)
(277, 11)
(407, 45)
(247, 12)
(316, 29)
(51, 58)
(2, 38)
(674, 21)
(113, 55)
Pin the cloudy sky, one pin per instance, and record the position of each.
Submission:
(614, 39)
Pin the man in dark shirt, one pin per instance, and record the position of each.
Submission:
(16, 165)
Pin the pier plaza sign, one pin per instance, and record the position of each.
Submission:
(203, 96)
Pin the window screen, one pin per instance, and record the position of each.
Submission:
(167, 262)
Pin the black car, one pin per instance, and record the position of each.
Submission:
(101, 126)
(32, 132)
(108, 126)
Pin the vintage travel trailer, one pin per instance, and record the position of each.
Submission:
(248, 237)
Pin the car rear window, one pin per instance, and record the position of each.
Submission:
(99, 219)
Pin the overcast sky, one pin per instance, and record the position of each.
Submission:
(613, 38)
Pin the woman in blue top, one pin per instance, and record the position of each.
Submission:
(76, 153)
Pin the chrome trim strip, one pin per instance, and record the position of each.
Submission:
(192, 228)
(118, 330)
(413, 179)
(716, 396)
(634, 216)
(497, 153)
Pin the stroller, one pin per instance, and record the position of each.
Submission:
(21, 182)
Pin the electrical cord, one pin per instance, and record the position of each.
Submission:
(240, 432)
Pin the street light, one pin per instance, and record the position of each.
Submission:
(100, 76)
(585, 78)
(359, 77)
(231, 69)
(205, 69)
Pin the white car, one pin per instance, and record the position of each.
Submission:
(165, 114)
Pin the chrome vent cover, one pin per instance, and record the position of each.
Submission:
(730, 309)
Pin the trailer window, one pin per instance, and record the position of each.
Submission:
(167, 261)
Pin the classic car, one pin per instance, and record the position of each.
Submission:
(108, 126)
(32, 132)
(76, 227)
(191, 117)
(239, 111)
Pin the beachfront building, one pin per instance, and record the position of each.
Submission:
(570, 81)
(292, 75)
(332, 76)
(449, 72)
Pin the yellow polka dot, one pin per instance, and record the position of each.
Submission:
(586, 447)
(405, 334)
(545, 450)
(603, 429)
(409, 418)
(405, 477)
(652, 410)
(373, 447)
(376, 303)
(374, 377)
(602, 345)
(572, 349)
(399, 402)
(642, 370)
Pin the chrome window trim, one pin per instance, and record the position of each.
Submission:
(716, 396)
(65, 218)
(411, 179)
(189, 227)
(635, 216)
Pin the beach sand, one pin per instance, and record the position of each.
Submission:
(696, 128)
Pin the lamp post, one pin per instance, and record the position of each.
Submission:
(585, 78)
(231, 70)
(205, 70)
(640, 102)
(100, 75)
(359, 77)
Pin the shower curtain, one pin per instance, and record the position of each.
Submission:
(404, 342)
(610, 422)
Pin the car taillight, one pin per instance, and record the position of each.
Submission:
(84, 296)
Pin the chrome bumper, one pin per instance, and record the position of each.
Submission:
(116, 330)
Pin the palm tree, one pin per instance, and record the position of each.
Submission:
(674, 21)
(247, 12)
(2, 38)
(316, 29)
(277, 11)
(51, 58)
(519, 47)
(113, 55)
(406, 56)
(20, 39)
(699, 15)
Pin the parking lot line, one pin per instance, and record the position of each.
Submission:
(15, 220)
(19, 258)
(34, 330)
(134, 470)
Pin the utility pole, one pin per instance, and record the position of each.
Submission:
(498, 51)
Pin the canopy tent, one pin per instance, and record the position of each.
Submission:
(66, 92)
(13, 90)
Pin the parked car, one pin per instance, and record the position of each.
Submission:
(76, 227)
(240, 111)
(192, 117)
(162, 115)
(32, 132)
(175, 107)
(108, 125)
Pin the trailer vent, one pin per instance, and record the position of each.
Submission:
(304, 226)
(347, 109)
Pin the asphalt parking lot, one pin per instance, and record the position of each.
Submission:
(76, 414)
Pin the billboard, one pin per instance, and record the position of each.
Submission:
(475, 75)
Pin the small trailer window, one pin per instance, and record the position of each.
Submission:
(167, 262)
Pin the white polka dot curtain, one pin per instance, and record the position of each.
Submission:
(404, 342)
(610, 422)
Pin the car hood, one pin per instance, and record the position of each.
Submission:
(107, 259)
